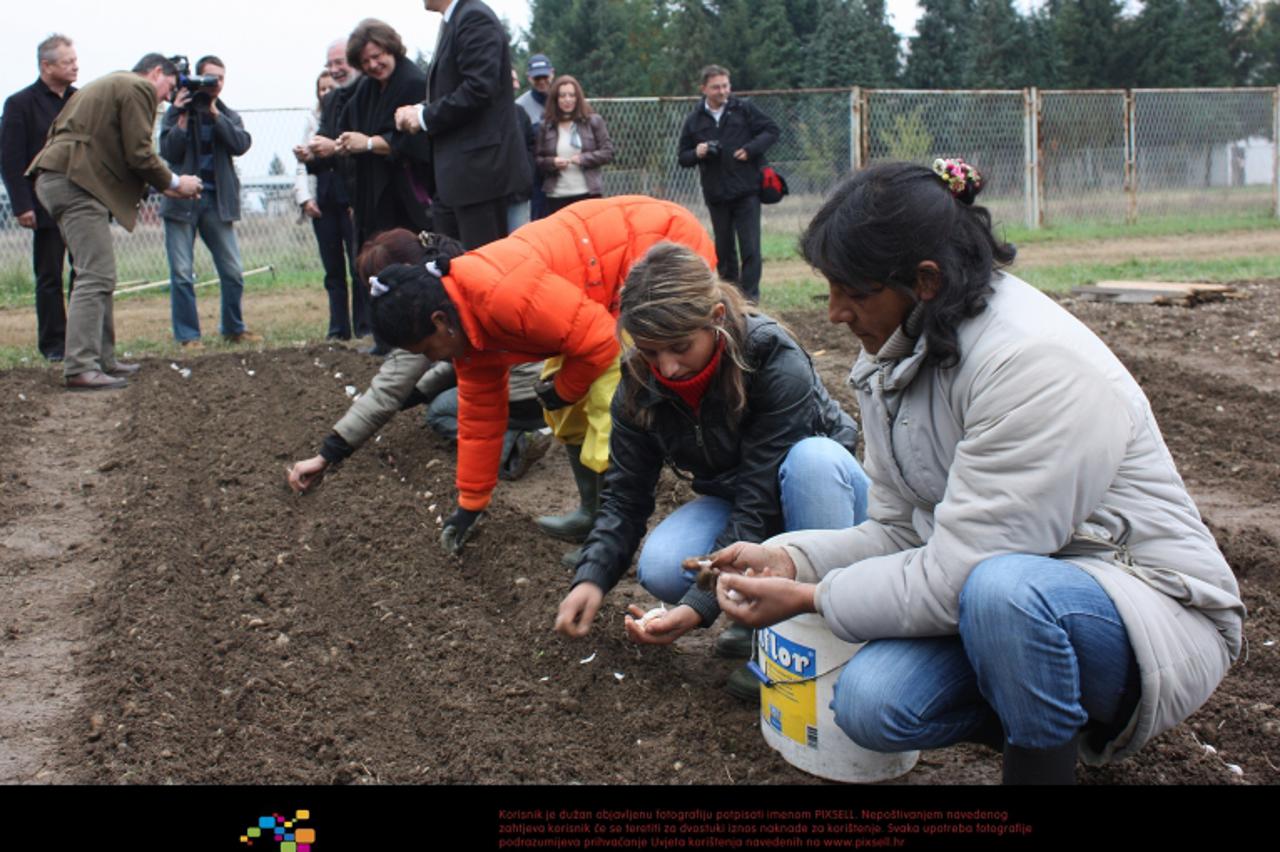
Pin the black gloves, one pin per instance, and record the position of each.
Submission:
(546, 391)
(458, 528)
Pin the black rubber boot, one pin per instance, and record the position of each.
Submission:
(735, 642)
(991, 734)
(570, 559)
(577, 524)
(1031, 766)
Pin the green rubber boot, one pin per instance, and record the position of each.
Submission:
(577, 524)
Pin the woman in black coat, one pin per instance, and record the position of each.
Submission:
(389, 166)
(728, 399)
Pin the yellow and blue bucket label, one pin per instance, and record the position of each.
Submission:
(790, 705)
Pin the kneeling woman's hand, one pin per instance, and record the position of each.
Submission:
(762, 601)
(763, 561)
(662, 630)
(306, 473)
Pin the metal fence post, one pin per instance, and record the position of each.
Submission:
(1275, 152)
(1130, 160)
(1031, 155)
(855, 128)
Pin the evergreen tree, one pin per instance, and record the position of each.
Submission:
(731, 42)
(1181, 43)
(806, 18)
(687, 45)
(1263, 44)
(940, 50)
(601, 42)
(1000, 56)
(1087, 33)
(1044, 54)
(883, 48)
(832, 59)
(774, 58)
(1207, 38)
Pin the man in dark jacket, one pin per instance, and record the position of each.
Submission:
(726, 137)
(198, 136)
(95, 166)
(27, 116)
(478, 157)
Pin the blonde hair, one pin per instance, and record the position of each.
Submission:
(671, 293)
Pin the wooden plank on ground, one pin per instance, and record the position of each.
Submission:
(1125, 295)
(1155, 292)
(1186, 286)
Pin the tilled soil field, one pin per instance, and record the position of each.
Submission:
(172, 613)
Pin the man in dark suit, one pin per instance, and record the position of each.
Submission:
(478, 158)
(96, 165)
(27, 116)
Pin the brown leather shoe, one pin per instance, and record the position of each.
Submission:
(92, 380)
(243, 337)
(193, 345)
(121, 369)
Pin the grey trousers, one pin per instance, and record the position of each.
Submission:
(85, 223)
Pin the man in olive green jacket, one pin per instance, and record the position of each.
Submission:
(96, 164)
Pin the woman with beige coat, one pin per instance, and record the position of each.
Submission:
(1033, 573)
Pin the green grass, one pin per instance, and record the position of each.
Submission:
(17, 289)
(1150, 227)
(778, 245)
(797, 294)
(277, 336)
(1058, 278)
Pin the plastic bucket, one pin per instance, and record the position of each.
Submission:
(800, 660)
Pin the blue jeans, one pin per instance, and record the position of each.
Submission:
(1041, 652)
(822, 487)
(517, 216)
(179, 245)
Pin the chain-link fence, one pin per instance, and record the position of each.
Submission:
(1049, 157)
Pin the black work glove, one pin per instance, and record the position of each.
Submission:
(458, 528)
(546, 391)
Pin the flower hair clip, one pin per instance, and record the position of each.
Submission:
(962, 179)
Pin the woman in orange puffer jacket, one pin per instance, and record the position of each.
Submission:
(550, 289)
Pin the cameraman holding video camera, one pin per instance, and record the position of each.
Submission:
(726, 138)
(198, 136)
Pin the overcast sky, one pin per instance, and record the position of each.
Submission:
(273, 48)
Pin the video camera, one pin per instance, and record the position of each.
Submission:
(197, 84)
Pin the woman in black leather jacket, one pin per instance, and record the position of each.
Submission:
(729, 400)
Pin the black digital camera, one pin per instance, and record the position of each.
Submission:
(713, 148)
(200, 85)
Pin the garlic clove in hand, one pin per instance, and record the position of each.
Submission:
(656, 612)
